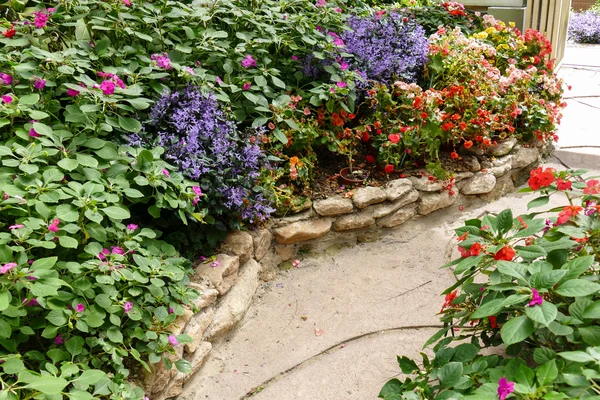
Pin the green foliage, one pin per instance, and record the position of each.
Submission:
(528, 290)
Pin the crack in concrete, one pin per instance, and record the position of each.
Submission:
(331, 350)
(586, 104)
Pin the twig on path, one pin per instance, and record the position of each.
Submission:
(405, 292)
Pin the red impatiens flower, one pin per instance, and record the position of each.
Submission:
(493, 323)
(454, 155)
(567, 213)
(539, 178)
(9, 33)
(365, 136)
(389, 168)
(370, 159)
(506, 254)
(468, 144)
(593, 187)
(394, 138)
(563, 185)
(449, 299)
(474, 250)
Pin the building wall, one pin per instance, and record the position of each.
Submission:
(582, 4)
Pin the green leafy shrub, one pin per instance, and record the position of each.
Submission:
(528, 286)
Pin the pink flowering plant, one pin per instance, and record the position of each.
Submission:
(88, 290)
(527, 291)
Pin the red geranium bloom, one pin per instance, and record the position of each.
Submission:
(418, 102)
(506, 253)
(468, 144)
(593, 187)
(462, 125)
(449, 299)
(563, 185)
(370, 159)
(541, 178)
(394, 138)
(454, 155)
(493, 322)
(389, 168)
(479, 138)
(365, 136)
(424, 115)
(9, 33)
(474, 250)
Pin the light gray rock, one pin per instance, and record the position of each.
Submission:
(503, 148)
(238, 243)
(235, 304)
(222, 276)
(399, 217)
(333, 206)
(383, 210)
(504, 185)
(472, 163)
(525, 157)
(262, 243)
(500, 170)
(502, 161)
(208, 295)
(197, 326)
(157, 381)
(197, 360)
(303, 230)
(425, 185)
(353, 221)
(181, 322)
(397, 188)
(475, 150)
(479, 184)
(460, 176)
(431, 202)
(303, 216)
(366, 196)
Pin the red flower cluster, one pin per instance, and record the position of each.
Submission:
(506, 254)
(449, 299)
(454, 8)
(474, 250)
(563, 185)
(567, 213)
(539, 178)
(593, 187)
(9, 33)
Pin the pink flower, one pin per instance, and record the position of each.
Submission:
(295, 58)
(117, 250)
(54, 225)
(219, 81)
(215, 264)
(103, 253)
(31, 303)
(338, 42)
(341, 84)
(31, 278)
(17, 226)
(7, 79)
(127, 306)
(166, 173)
(247, 86)
(344, 66)
(505, 388)
(249, 61)
(190, 70)
(58, 340)
(41, 19)
(7, 267)
(80, 308)
(162, 60)
(7, 99)
(536, 300)
(127, 3)
(173, 340)
(107, 87)
(338, 9)
(171, 311)
(33, 133)
(295, 263)
(321, 3)
(72, 92)
(198, 193)
(132, 227)
(39, 83)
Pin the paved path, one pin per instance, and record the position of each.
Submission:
(331, 329)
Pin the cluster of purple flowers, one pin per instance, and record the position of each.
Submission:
(386, 47)
(207, 147)
(584, 27)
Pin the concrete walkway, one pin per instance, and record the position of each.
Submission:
(331, 328)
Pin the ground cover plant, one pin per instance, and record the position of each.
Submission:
(523, 313)
(584, 26)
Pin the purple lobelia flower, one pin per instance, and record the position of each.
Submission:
(386, 49)
(584, 27)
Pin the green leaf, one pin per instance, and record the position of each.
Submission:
(117, 213)
(577, 266)
(576, 356)
(547, 373)
(74, 345)
(542, 355)
(407, 365)
(467, 263)
(590, 335)
(577, 288)
(44, 263)
(86, 160)
(516, 330)
(68, 164)
(530, 252)
(449, 374)
(90, 377)
(391, 390)
(68, 242)
(544, 314)
(278, 82)
(5, 298)
(81, 31)
(183, 366)
(492, 307)
(592, 311)
(67, 212)
(57, 317)
(115, 335)
(546, 280)
(539, 202)
(48, 384)
(280, 136)
(260, 80)
(130, 124)
(505, 221)
(13, 366)
(465, 352)
(29, 99)
(559, 329)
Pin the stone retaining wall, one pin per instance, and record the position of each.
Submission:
(246, 258)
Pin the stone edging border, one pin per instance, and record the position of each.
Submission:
(246, 258)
